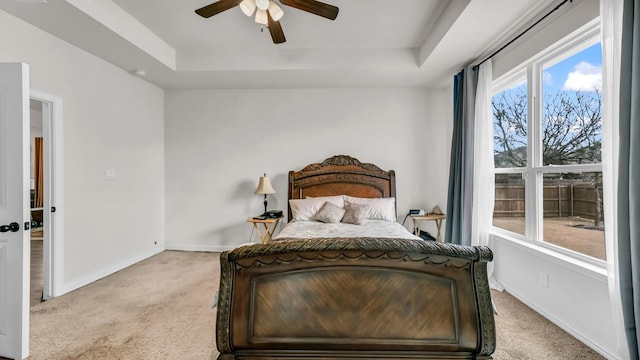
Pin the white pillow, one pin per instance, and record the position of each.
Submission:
(336, 199)
(305, 209)
(379, 208)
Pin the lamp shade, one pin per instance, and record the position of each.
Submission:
(275, 11)
(248, 7)
(264, 186)
(261, 16)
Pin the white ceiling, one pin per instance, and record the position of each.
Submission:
(372, 43)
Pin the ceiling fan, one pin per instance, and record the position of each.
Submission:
(268, 13)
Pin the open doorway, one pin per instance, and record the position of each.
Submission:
(37, 201)
(46, 196)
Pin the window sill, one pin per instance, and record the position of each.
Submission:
(591, 267)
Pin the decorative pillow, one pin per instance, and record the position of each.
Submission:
(379, 208)
(329, 213)
(355, 213)
(305, 209)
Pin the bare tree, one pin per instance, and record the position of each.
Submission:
(571, 133)
(571, 128)
(510, 128)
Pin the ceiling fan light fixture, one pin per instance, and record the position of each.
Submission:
(248, 7)
(275, 11)
(261, 17)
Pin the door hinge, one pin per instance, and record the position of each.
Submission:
(53, 209)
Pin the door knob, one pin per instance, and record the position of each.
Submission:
(13, 227)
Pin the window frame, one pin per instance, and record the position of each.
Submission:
(532, 69)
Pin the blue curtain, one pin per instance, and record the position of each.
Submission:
(629, 175)
(460, 194)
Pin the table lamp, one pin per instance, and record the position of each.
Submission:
(265, 188)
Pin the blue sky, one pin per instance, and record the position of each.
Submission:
(581, 71)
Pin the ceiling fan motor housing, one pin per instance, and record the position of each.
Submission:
(262, 4)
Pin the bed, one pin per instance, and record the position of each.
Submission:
(353, 297)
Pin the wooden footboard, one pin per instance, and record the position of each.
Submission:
(364, 298)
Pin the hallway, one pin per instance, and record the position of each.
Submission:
(36, 265)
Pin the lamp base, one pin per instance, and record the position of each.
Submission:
(265, 203)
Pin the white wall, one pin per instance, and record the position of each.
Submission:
(111, 120)
(577, 295)
(566, 20)
(219, 142)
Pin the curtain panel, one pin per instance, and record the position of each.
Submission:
(459, 197)
(629, 175)
(611, 30)
(483, 165)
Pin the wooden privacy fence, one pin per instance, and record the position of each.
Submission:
(559, 200)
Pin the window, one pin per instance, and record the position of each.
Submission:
(510, 113)
(547, 148)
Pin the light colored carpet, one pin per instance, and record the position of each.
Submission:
(522, 333)
(37, 279)
(160, 308)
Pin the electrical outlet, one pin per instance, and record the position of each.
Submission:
(109, 174)
(543, 279)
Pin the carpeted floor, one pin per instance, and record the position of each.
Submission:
(36, 271)
(521, 333)
(160, 308)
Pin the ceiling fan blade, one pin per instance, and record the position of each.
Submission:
(315, 7)
(217, 7)
(275, 29)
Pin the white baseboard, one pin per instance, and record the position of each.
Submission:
(99, 274)
(573, 332)
(205, 248)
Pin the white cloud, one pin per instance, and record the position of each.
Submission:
(585, 77)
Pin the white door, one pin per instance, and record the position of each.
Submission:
(14, 211)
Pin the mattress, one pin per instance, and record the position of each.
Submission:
(300, 229)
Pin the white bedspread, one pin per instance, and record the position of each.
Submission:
(371, 228)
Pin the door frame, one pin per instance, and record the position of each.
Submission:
(53, 222)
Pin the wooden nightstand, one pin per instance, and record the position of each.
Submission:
(435, 217)
(269, 226)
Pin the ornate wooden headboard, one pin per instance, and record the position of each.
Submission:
(341, 175)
